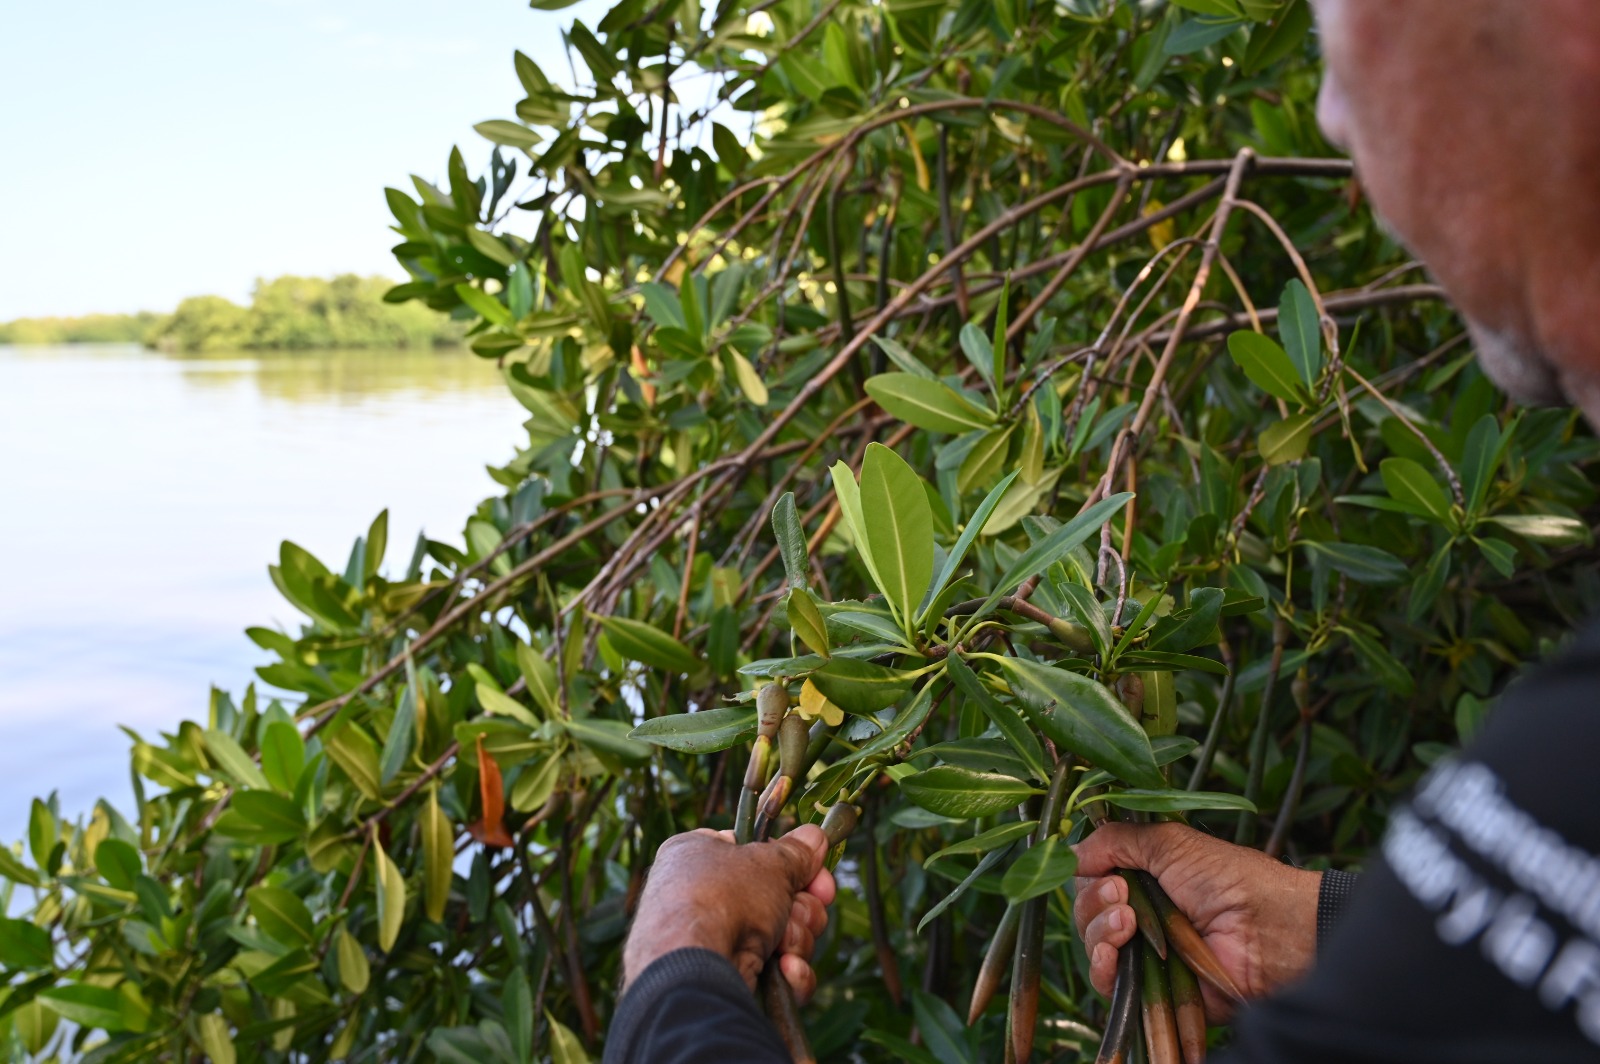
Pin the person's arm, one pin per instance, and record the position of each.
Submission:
(711, 917)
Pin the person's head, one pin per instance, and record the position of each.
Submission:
(1475, 128)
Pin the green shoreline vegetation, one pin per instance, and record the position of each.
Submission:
(285, 314)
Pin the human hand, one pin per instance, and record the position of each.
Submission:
(1258, 915)
(744, 902)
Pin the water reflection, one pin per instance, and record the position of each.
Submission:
(143, 497)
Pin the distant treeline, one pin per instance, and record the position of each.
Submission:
(285, 314)
(89, 329)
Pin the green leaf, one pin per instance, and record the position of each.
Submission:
(1268, 365)
(233, 761)
(1282, 35)
(438, 855)
(535, 784)
(118, 863)
(216, 1038)
(983, 842)
(15, 870)
(283, 755)
(391, 891)
(24, 945)
(355, 971)
(262, 818)
(963, 794)
(91, 1007)
(508, 133)
(806, 620)
(849, 496)
(1081, 715)
(282, 915)
(501, 704)
(1287, 440)
(899, 529)
(1166, 800)
(907, 362)
(486, 305)
(565, 1048)
(927, 404)
(401, 738)
(860, 686)
(988, 861)
(874, 624)
(1367, 565)
(494, 249)
(1479, 457)
(1551, 529)
(908, 720)
(1193, 626)
(1051, 549)
(958, 553)
(661, 304)
(517, 1008)
(979, 351)
(704, 732)
(1379, 663)
(607, 737)
(540, 677)
(791, 541)
(1004, 717)
(1500, 554)
(1193, 34)
(749, 380)
(1414, 488)
(986, 458)
(648, 644)
(1042, 868)
(1090, 614)
(1300, 329)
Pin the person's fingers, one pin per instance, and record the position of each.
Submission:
(822, 887)
(1114, 927)
(1103, 968)
(809, 911)
(799, 975)
(1094, 895)
(802, 851)
(798, 939)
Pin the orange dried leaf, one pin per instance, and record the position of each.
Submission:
(491, 830)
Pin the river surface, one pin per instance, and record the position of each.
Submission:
(142, 497)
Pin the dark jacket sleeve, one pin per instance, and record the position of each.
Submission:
(689, 1007)
(1474, 936)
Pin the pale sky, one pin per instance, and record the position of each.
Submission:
(154, 151)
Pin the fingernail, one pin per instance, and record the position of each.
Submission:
(1114, 918)
(1108, 890)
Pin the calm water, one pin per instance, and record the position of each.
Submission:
(142, 497)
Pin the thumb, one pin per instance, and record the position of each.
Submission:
(802, 850)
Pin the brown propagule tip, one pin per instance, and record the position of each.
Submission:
(995, 960)
(1160, 1025)
(1189, 1009)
